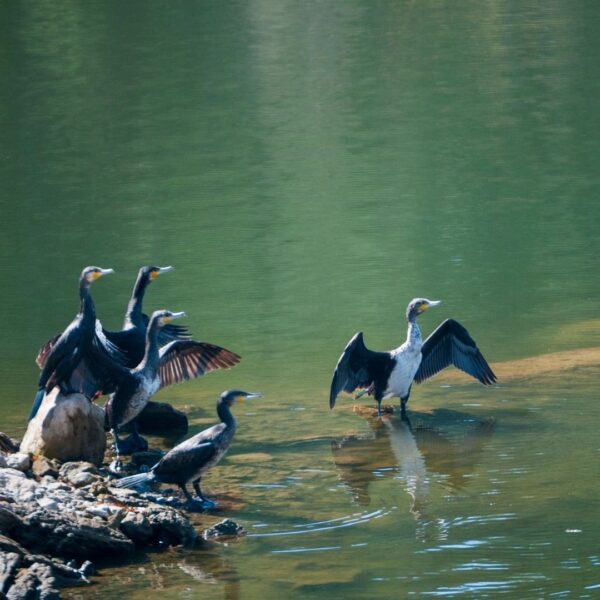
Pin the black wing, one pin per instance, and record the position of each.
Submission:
(451, 344)
(45, 350)
(181, 463)
(185, 359)
(359, 367)
(170, 332)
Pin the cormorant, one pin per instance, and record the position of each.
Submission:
(131, 340)
(179, 360)
(81, 347)
(388, 374)
(189, 461)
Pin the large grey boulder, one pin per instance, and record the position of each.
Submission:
(68, 428)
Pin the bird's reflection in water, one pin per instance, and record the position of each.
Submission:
(210, 566)
(447, 443)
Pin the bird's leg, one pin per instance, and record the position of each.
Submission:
(368, 390)
(403, 414)
(378, 408)
(205, 501)
(136, 441)
(192, 504)
(117, 465)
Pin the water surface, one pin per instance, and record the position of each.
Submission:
(308, 168)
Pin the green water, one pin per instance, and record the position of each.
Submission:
(308, 168)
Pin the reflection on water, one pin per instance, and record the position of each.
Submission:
(448, 443)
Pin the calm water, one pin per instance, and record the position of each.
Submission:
(308, 168)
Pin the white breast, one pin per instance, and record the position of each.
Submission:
(408, 360)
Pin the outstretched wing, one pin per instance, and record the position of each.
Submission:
(45, 350)
(169, 333)
(185, 359)
(451, 344)
(359, 367)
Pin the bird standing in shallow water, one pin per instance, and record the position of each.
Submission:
(81, 347)
(178, 361)
(388, 374)
(189, 461)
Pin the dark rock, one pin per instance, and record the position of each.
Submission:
(43, 467)
(225, 529)
(7, 444)
(146, 459)
(35, 583)
(137, 528)
(160, 418)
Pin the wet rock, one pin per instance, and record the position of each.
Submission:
(20, 461)
(68, 428)
(33, 583)
(224, 529)
(44, 467)
(160, 418)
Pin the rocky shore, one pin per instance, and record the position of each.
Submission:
(59, 520)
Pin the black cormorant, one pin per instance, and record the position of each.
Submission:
(81, 347)
(131, 340)
(189, 461)
(388, 374)
(177, 361)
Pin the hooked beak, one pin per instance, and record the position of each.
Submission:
(250, 396)
(102, 272)
(178, 315)
(434, 302)
(160, 271)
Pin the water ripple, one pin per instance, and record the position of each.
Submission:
(328, 525)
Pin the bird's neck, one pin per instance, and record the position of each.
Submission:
(151, 354)
(87, 308)
(413, 335)
(225, 414)
(134, 308)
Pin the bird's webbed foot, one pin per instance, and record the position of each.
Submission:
(200, 504)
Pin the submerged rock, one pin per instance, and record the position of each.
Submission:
(161, 418)
(67, 427)
(224, 529)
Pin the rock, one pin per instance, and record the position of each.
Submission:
(137, 527)
(2, 461)
(79, 474)
(68, 428)
(160, 418)
(36, 582)
(7, 444)
(20, 461)
(148, 458)
(224, 529)
(43, 467)
(47, 503)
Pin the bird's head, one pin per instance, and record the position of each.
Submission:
(419, 305)
(150, 273)
(160, 318)
(91, 274)
(232, 396)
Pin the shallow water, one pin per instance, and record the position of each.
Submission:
(308, 168)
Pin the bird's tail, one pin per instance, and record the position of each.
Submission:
(37, 402)
(133, 480)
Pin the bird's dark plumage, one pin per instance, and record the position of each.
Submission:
(81, 346)
(190, 460)
(178, 361)
(451, 344)
(387, 374)
(131, 339)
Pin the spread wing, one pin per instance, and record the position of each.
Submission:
(358, 367)
(182, 360)
(45, 350)
(169, 333)
(451, 344)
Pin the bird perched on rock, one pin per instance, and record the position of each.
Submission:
(388, 374)
(179, 360)
(190, 460)
(81, 348)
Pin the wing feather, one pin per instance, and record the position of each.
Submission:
(182, 360)
(451, 344)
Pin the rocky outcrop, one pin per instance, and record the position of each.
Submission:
(160, 418)
(67, 427)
